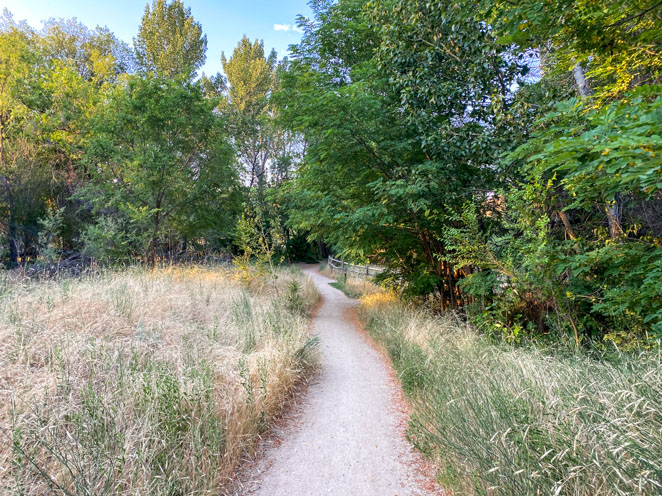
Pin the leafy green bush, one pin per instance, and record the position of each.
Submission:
(115, 239)
(550, 259)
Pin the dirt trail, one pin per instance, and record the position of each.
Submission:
(348, 438)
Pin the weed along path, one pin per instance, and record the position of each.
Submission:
(348, 436)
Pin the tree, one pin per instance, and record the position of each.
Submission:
(410, 108)
(93, 54)
(46, 106)
(401, 133)
(170, 43)
(613, 43)
(251, 76)
(159, 156)
(24, 180)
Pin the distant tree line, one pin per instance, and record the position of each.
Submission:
(125, 153)
(500, 157)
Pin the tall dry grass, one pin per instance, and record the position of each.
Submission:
(141, 382)
(501, 420)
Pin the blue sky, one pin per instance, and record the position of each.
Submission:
(223, 21)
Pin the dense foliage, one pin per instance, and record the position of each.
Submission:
(499, 156)
(123, 154)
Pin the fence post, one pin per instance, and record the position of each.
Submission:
(345, 266)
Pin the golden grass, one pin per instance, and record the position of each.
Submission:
(379, 299)
(502, 420)
(141, 382)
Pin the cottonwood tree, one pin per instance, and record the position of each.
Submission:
(95, 55)
(170, 42)
(267, 151)
(55, 79)
(251, 77)
(24, 174)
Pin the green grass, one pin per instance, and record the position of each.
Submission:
(503, 420)
(343, 287)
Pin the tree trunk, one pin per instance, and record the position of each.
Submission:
(323, 249)
(442, 295)
(155, 234)
(613, 208)
(568, 227)
(580, 79)
(450, 275)
(12, 237)
(185, 245)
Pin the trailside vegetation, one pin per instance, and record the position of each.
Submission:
(145, 381)
(126, 154)
(497, 419)
(496, 157)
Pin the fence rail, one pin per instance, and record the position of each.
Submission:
(355, 270)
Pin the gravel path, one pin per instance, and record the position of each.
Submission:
(348, 437)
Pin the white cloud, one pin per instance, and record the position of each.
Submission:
(297, 29)
(282, 27)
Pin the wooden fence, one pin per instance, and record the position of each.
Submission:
(364, 271)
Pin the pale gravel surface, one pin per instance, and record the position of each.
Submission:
(348, 438)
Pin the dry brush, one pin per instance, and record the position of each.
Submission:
(140, 382)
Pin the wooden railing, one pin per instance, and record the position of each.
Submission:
(345, 268)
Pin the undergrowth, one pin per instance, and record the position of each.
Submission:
(141, 382)
(501, 420)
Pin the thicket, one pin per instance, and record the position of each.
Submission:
(497, 156)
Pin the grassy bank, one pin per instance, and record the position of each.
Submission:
(144, 382)
(503, 420)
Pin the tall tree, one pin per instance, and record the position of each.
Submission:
(23, 179)
(401, 131)
(160, 156)
(251, 76)
(170, 42)
(93, 54)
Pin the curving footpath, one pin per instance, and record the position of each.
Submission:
(348, 438)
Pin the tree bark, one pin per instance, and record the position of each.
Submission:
(155, 234)
(451, 286)
(152, 245)
(568, 227)
(613, 208)
(580, 79)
